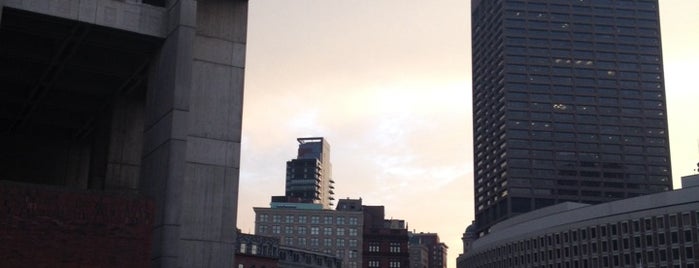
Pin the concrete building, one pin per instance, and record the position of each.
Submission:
(336, 232)
(437, 251)
(309, 176)
(115, 101)
(385, 240)
(568, 104)
(655, 230)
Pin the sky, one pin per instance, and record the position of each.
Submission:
(388, 83)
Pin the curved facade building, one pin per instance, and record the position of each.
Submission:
(658, 230)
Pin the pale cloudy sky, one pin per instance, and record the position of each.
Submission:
(387, 82)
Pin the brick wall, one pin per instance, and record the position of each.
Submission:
(43, 226)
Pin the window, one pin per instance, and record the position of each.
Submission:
(262, 229)
(315, 219)
(352, 254)
(352, 232)
(301, 230)
(328, 220)
(243, 247)
(340, 231)
(302, 219)
(301, 241)
(263, 218)
(352, 242)
(353, 221)
(340, 220)
(289, 218)
(395, 247)
(276, 218)
(276, 229)
(289, 230)
(253, 249)
(373, 263)
(327, 242)
(340, 242)
(687, 236)
(394, 264)
(374, 247)
(288, 241)
(327, 231)
(315, 230)
(314, 242)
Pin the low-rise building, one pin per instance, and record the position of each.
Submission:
(257, 251)
(305, 226)
(657, 230)
(437, 251)
(385, 240)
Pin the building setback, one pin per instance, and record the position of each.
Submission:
(568, 104)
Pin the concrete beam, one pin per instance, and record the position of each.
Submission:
(123, 15)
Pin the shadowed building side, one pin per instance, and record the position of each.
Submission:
(125, 100)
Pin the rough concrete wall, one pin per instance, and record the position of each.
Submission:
(126, 15)
(125, 145)
(192, 136)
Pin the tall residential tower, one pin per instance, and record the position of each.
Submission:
(568, 104)
(309, 176)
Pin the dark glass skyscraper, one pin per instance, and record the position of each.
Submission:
(568, 104)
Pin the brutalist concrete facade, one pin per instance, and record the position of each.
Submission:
(125, 96)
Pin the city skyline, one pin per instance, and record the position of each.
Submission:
(391, 93)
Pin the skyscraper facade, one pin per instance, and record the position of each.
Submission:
(309, 176)
(568, 104)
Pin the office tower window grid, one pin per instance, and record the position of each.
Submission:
(569, 104)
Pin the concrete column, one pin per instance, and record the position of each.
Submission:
(193, 118)
(164, 148)
(213, 138)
